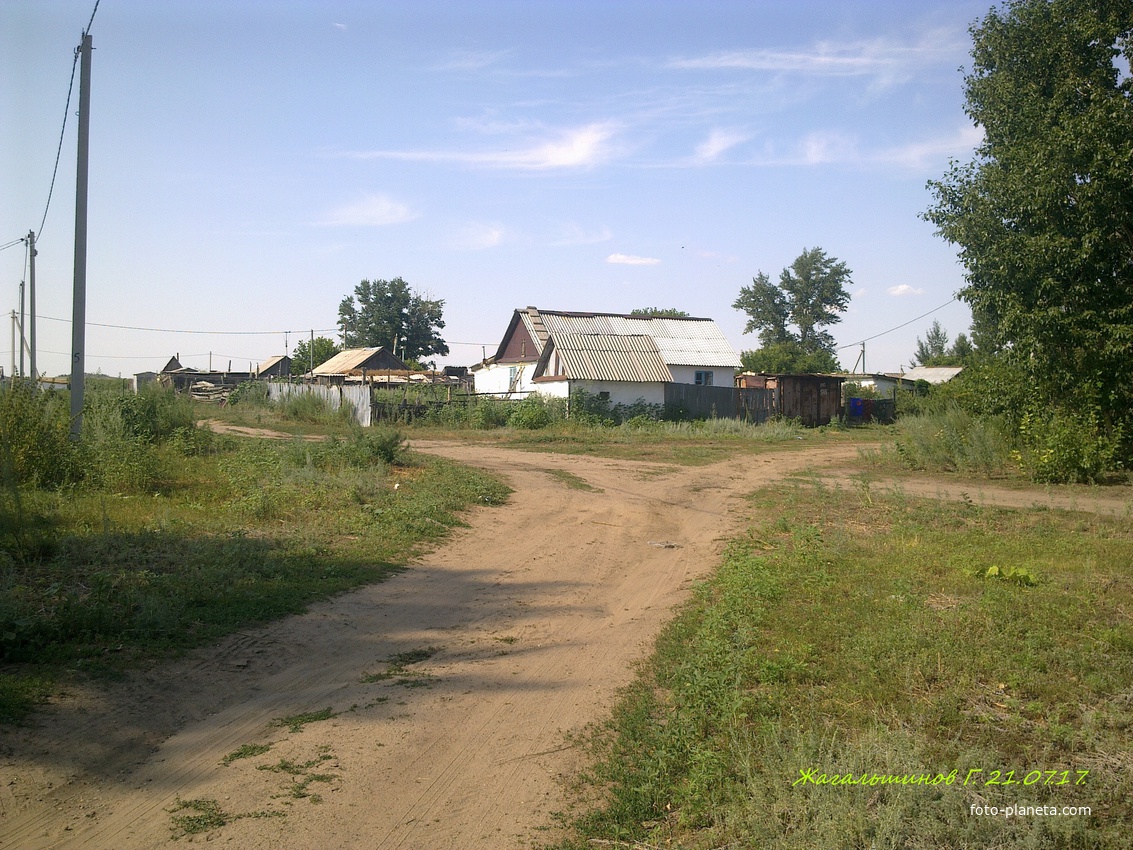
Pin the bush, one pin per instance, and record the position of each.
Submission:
(1061, 447)
(35, 448)
(488, 413)
(531, 413)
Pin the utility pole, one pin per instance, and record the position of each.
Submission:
(13, 343)
(79, 311)
(31, 299)
(312, 351)
(23, 342)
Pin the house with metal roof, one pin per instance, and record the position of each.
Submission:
(620, 357)
(356, 362)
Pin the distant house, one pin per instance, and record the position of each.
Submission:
(275, 367)
(619, 357)
(354, 363)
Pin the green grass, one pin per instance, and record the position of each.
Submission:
(247, 532)
(675, 443)
(572, 481)
(847, 633)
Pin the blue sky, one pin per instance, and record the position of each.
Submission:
(251, 162)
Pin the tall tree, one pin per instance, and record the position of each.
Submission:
(791, 316)
(1043, 216)
(389, 313)
(934, 350)
(311, 353)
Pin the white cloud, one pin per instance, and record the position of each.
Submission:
(481, 235)
(631, 260)
(372, 211)
(904, 289)
(717, 142)
(581, 147)
(918, 155)
(878, 57)
(860, 292)
(339, 26)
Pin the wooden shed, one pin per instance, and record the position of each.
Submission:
(813, 399)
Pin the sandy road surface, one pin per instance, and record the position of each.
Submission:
(534, 617)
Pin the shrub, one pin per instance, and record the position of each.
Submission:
(1061, 447)
(489, 412)
(531, 413)
(35, 449)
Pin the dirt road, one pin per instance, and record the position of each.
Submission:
(454, 687)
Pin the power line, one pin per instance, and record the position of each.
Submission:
(63, 129)
(179, 331)
(898, 327)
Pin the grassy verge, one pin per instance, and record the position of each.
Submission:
(239, 533)
(965, 656)
(681, 443)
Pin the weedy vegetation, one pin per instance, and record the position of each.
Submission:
(849, 636)
(150, 535)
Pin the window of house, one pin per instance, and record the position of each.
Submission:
(511, 376)
(604, 395)
(703, 379)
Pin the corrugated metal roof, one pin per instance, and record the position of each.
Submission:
(607, 357)
(345, 361)
(933, 374)
(680, 342)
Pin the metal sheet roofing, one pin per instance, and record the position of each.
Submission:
(680, 342)
(606, 357)
(345, 361)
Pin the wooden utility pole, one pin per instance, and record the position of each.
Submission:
(79, 311)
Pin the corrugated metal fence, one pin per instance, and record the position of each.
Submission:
(691, 401)
(356, 395)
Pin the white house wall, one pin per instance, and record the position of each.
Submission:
(722, 376)
(496, 379)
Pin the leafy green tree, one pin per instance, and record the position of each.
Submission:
(659, 312)
(388, 313)
(791, 316)
(934, 350)
(1043, 216)
(311, 353)
(787, 358)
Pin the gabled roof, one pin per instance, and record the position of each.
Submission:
(272, 361)
(604, 357)
(357, 358)
(679, 341)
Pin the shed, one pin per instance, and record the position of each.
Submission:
(275, 367)
(356, 361)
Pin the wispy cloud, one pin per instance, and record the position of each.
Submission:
(581, 147)
(574, 234)
(631, 260)
(470, 60)
(480, 235)
(918, 155)
(339, 26)
(374, 210)
(717, 142)
(878, 57)
(904, 289)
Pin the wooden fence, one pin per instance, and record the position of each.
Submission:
(691, 401)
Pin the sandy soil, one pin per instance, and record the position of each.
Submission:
(534, 615)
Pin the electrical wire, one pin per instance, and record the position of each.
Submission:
(898, 327)
(180, 331)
